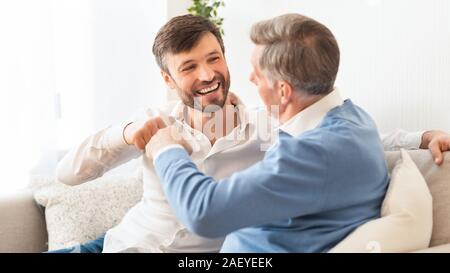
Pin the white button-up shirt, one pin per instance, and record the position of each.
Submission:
(151, 226)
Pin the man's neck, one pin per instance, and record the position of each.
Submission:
(297, 105)
(214, 125)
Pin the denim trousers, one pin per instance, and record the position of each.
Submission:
(94, 246)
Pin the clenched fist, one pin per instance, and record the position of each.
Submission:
(164, 138)
(140, 133)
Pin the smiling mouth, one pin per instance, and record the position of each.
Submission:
(208, 90)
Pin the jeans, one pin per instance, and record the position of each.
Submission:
(94, 246)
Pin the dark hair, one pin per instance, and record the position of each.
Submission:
(181, 34)
(298, 50)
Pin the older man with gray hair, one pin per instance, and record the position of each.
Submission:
(325, 175)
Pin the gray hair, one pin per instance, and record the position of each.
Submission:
(298, 50)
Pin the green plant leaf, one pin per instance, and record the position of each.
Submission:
(208, 9)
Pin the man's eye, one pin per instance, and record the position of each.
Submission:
(214, 59)
(189, 68)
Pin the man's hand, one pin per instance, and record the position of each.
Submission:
(140, 133)
(166, 137)
(233, 98)
(437, 142)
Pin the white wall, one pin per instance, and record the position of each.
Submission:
(177, 7)
(395, 54)
(126, 76)
(26, 88)
(67, 69)
(104, 67)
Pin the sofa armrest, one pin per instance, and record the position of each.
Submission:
(22, 223)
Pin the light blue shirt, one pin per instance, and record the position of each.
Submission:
(307, 194)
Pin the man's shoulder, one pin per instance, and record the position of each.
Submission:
(340, 134)
(348, 114)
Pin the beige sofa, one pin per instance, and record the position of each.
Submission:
(23, 226)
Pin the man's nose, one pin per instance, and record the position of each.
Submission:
(206, 74)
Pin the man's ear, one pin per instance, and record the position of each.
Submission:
(285, 91)
(168, 79)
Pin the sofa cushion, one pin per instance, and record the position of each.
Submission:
(438, 181)
(406, 221)
(77, 214)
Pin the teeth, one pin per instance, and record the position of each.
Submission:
(207, 90)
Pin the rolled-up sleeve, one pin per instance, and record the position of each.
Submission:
(401, 139)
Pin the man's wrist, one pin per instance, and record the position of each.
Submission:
(165, 149)
(113, 138)
(426, 138)
(123, 133)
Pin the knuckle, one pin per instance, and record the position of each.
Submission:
(138, 134)
(148, 123)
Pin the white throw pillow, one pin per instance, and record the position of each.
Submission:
(406, 216)
(77, 214)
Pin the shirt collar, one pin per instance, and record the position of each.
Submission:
(310, 117)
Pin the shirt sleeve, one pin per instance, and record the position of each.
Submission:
(281, 186)
(165, 149)
(96, 155)
(401, 139)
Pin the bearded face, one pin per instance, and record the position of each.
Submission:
(200, 76)
(206, 96)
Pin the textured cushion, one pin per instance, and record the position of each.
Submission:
(406, 221)
(77, 214)
(438, 181)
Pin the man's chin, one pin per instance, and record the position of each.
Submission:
(213, 107)
(210, 106)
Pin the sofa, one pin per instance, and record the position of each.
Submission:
(23, 226)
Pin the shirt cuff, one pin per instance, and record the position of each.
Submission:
(114, 142)
(114, 136)
(165, 149)
(413, 140)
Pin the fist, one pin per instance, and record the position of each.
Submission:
(140, 133)
(165, 137)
